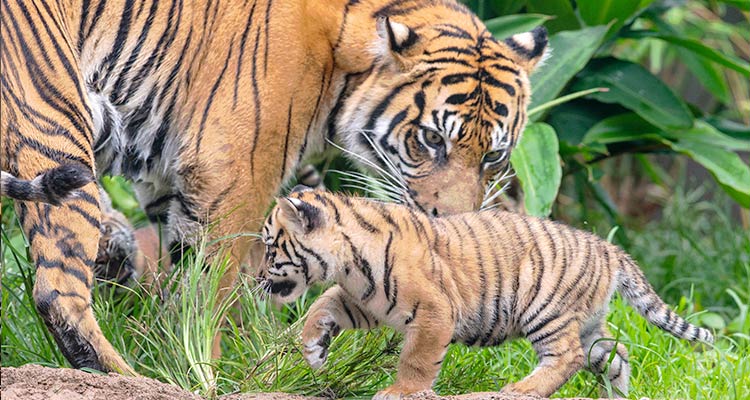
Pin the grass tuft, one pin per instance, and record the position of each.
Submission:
(696, 257)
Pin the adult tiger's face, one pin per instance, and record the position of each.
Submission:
(442, 108)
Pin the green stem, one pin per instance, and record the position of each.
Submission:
(565, 99)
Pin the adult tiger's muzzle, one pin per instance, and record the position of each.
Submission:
(452, 189)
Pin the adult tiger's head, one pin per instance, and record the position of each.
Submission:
(443, 105)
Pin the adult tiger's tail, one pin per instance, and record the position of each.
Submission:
(52, 186)
(634, 287)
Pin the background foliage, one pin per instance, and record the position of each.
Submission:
(607, 89)
(639, 132)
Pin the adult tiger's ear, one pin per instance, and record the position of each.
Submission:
(397, 41)
(303, 217)
(530, 48)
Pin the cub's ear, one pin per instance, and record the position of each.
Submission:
(396, 41)
(529, 47)
(303, 217)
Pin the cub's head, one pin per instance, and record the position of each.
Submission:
(302, 245)
(442, 105)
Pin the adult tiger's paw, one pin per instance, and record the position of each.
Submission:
(117, 250)
(317, 334)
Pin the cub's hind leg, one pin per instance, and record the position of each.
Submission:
(331, 313)
(558, 347)
(598, 347)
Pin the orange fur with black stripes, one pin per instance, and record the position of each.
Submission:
(477, 278)
(209, 106)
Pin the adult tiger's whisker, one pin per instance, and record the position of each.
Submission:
(382, 172)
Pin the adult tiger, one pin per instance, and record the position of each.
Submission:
(209, 106)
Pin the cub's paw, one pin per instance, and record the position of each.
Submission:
(397, 391)
(316, 337)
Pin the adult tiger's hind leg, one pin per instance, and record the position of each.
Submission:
(44, 123)
(64, 242)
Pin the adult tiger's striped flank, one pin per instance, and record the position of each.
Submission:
(209, 106)
(478, 278)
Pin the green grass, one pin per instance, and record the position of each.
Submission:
(696, 257)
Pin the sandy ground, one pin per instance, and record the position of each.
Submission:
(34, 382)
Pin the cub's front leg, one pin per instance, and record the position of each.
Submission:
(333, 311)
(429, 331)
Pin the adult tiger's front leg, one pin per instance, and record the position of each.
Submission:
(127, 255)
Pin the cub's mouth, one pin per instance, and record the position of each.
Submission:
(282, 288)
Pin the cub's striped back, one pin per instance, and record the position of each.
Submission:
(477, 278)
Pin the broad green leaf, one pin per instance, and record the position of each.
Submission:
(709, 74)
(571, 50)
(506, 7)
(726, 166)
(622, 128)
(572, 120)
(743, 5)
(505, 26)
(636, 88)
(564, 16)
(537, 165)
(702, 132)
(699, 49)
(730, 128)
(602, 12)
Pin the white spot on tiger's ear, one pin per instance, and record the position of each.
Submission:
(394, 39)
(396, 33)
(525, 40)
(295, 202)
(529, 48)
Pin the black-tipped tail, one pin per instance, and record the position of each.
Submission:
(52, 186)
(641, 295)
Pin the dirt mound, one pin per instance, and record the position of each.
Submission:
(34, 382)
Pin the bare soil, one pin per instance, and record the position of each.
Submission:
(35, 382)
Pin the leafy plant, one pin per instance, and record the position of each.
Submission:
(602, 93)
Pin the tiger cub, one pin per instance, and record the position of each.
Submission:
(477, 278)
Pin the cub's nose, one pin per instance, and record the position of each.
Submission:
(282, 288)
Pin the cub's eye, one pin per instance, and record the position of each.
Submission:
(493, 156)
(432, 138)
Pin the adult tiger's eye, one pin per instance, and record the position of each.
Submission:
(433, 138)
(493, 156)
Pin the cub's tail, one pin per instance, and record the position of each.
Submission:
(634, 287)
(52, 186)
